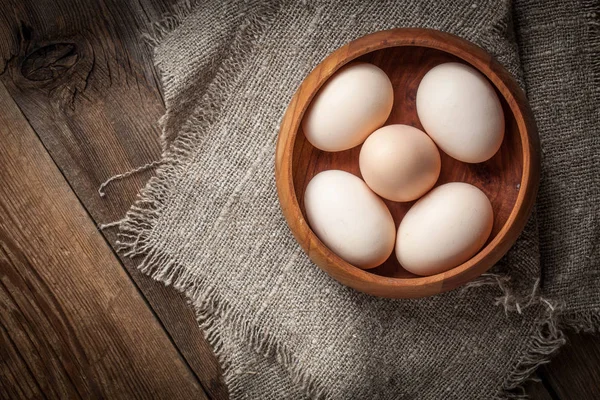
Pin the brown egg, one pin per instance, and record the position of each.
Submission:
(400, 162)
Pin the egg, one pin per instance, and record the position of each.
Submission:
(354, 102)
(445, 228)
(399, 162)
(460, 110)
(349, 218)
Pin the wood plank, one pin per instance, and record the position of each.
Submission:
(84, 79)
(574, 374)
(537, 391)
(72, 323)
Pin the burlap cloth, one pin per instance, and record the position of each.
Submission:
(209, 222)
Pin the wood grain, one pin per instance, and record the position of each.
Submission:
(536, 390)
(83, 76)
(510, 178)
(574, 373)
(72, 323)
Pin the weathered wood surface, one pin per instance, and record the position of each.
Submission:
(72, 324)
(575, 371)
(84, 79)
(85, 83)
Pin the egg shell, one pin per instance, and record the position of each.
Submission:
(445, 228)
(399, 162)
(354, 102)
(349, 218)
(460, 110)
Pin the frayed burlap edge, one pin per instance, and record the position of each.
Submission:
(160, 29)
(135, 240)
(136, 228)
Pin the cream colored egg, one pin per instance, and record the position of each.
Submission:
(460, 110)
(349, 218)
(445, 228)
(399, 162)
(354, 102)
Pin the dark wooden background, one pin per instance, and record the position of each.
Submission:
(79, 102)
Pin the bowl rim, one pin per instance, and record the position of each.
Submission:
(488, 255)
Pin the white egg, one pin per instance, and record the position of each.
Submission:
(349, 218)
(399, 162)
(445, 228)
(460, 110)
(354, 102)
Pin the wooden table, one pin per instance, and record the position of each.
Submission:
(79, 102)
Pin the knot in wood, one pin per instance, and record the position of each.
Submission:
(50, 62)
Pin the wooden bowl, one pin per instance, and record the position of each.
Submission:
(510, 179)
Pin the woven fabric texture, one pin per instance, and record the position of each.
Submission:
(209, 222)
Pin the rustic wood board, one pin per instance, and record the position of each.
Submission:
(72, 324)
(83, 76)
(574, 373)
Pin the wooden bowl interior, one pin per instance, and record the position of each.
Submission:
(499, 177)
